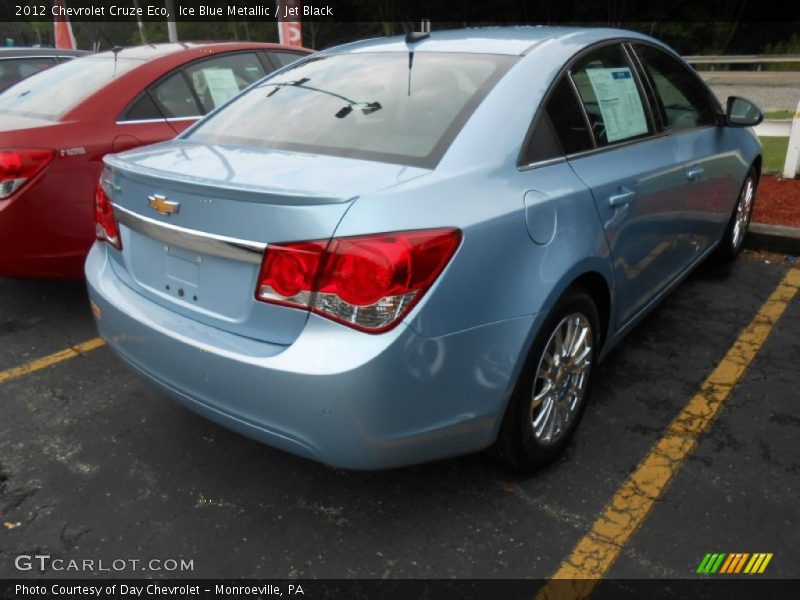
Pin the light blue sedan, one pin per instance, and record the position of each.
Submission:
(405, 249)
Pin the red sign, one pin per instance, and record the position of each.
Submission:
(290, 30)
(63, 29)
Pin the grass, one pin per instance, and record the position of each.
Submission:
(779, 114)
(774, 153)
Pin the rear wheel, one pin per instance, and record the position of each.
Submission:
(733, 239)
(554, 386)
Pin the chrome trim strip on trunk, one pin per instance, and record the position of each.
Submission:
(206, 243)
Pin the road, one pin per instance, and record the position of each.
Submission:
(772, 90)
(95, 463)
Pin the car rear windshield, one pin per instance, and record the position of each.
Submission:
(54, 92)
(390, 107)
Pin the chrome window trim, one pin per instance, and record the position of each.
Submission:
(191, 239)
(35, 56)
(598, 150)
(162, 120)
(584, 112)
(543, 163)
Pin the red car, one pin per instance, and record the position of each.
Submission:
(56, 126)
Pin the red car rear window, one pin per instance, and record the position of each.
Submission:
(54, 92)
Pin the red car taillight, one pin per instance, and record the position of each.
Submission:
(105, 225)
(19, 166)
(367, 282)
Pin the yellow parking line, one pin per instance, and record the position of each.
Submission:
(593, 556)
(47, 361)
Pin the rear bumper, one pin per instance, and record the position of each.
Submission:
(44, 239)
(335, 395)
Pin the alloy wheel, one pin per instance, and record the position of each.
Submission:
(744, 209)
(562, 378)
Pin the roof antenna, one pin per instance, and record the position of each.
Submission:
(412, 37)
(116, 50)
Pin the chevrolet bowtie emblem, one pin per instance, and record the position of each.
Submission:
(163, 206)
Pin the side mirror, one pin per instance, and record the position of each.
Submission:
(742, 113)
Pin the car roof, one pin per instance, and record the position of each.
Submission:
(21, 52)
(512, 40)
(151, 51)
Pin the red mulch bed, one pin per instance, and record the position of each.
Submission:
(778, 202)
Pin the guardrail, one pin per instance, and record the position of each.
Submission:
(792, 162)
(742, 59)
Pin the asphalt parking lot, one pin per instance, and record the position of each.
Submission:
(94, 463)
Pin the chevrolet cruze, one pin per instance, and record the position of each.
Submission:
(411, 248)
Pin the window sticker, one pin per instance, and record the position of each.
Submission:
(221, 84)
(620, 105)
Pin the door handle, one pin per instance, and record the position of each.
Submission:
(694, 173)
(622, 198)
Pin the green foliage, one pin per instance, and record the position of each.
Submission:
(790, 46)
(775, 149)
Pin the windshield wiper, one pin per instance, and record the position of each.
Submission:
(366, 108)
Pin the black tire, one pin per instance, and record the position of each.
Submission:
(731, 244)
(518, 445)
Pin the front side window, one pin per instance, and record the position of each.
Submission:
(610, 94)
(378, 106)
(55, 91)
(684, 100)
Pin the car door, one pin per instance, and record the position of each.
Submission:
(633, 174)
(687, 109)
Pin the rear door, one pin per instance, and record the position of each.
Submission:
(633, 174)
(687, 110)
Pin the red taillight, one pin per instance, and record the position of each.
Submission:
(368, 282)
(19, 166)
(105, 225)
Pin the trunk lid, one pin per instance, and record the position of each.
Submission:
(195, 218)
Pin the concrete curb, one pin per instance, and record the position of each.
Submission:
(774, 238)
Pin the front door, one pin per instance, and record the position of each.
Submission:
(634, 177)
(687, 110)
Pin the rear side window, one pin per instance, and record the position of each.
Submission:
(685, 101)
(543, 143)
(174, 97)
(378, 106)
(143, 109)
(611, 97)
(560, 127)
(217, 80)
(55, 91)
(567, 118)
